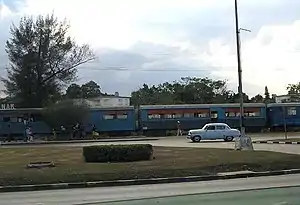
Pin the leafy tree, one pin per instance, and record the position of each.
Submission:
(206, 90)
(43, 59)
(88, 90)
(293, 89)
(257, 99)
(65, 113)
(267, 95)
(294, 92)
(74, 91)
(235, 98)
(147, 95)
(188, 90)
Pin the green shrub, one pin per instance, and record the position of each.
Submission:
(118, 153)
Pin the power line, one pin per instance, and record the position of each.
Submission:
(152, 70)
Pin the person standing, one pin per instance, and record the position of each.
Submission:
(75, 131)
(179, 131)
(94, 130)
(29, 134)
(9, 134)
(25, 131)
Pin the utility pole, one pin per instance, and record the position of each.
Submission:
(244, 142)
(240, 88)
(284, 121)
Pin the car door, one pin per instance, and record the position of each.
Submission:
(220, 131)
(210, 132)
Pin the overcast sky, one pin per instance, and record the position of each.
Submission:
(162, 40)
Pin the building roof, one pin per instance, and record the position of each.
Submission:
(106, 96)
(288, 104)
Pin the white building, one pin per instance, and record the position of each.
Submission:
(107, 101)
(286, 98)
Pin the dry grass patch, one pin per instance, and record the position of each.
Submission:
(168, 162)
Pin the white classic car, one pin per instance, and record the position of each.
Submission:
(213, 131)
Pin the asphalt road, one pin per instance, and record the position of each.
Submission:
(276, 196)
(183, 142)
(234, 191)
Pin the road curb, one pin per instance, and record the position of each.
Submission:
(76, 141)
(143, 181)
(275, 142)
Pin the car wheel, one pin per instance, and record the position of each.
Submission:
(228, 138)
(196, 139)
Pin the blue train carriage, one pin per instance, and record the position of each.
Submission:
(118, 121)
(281, 114)
(255, 118)
(14, 121)
(157, 119)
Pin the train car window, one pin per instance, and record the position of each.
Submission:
(6, 119)
(37, 117)
(214, 115)
(122, 116)
(154, 116)
(253, 114)
(177, 115)
(25, 117)
(230, 114)
(108, 117)
(13, 119)
(202, 115)
(31, 118)
(168, 116)
(291, 111)
(188, 115)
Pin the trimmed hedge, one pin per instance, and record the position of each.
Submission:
(118, 153)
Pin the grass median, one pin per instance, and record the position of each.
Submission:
(168, 162)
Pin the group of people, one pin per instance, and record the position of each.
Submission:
(28, 134)
(77, 131)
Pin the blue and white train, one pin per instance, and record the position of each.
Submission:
(158, 119)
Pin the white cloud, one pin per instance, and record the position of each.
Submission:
(271, 58)
(4, 10)
(181, 34)
(120, 24)
(113, 23)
